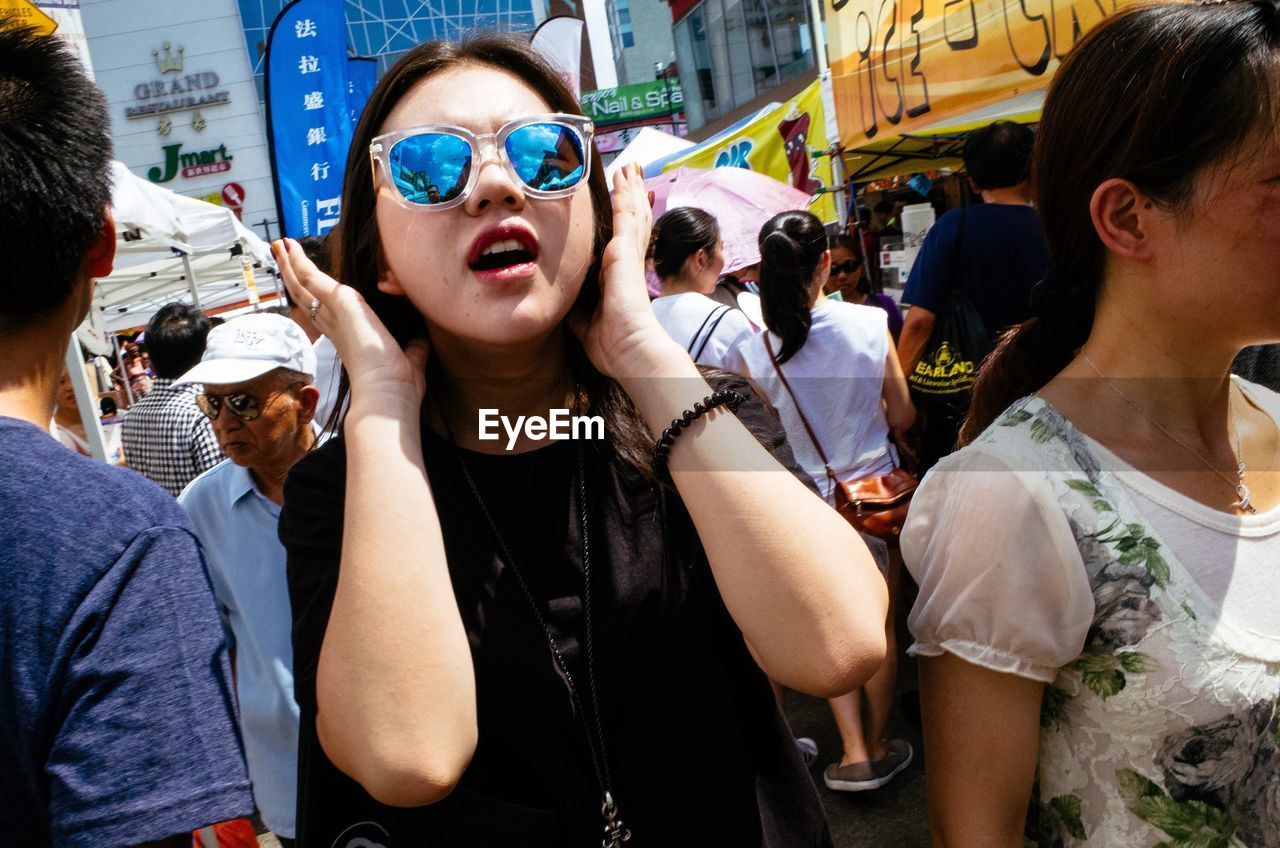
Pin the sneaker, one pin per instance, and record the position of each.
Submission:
(808, 750)
(860, 777)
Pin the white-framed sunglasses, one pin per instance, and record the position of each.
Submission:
(436, 166)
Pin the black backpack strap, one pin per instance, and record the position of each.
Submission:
(717, 310)
(712, 331)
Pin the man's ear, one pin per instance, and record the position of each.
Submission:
(309, 397)
(102, 253)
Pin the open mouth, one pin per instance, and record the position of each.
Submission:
(503, 254)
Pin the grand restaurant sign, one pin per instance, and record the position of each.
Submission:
(173, 90)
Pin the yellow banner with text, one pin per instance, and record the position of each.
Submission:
(778, 143)
(899, 65)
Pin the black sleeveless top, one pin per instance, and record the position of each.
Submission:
(699, 750)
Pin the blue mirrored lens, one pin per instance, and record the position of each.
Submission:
(430, 168)
(548, 157)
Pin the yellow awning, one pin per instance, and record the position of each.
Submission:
(934, 147)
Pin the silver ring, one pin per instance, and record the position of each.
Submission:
(315, 307)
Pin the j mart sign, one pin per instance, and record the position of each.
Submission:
(197, 164)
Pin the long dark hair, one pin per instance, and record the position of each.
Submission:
(679, 234)
(356, 245)
(791, 246)
(1153, 94)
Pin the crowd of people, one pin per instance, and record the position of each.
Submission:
(318, 596)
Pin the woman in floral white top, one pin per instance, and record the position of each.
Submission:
(1099, 567)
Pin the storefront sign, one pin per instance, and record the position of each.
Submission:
(195, 164)
(615, 141)
(630, 103)
(233, 194)
(175, 91)
(231, 197)
(899, 65)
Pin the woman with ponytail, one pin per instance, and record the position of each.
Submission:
(844, 394)
(1096, 622)
(687, 257)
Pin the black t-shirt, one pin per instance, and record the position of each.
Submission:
(699, 751)
(995, 261)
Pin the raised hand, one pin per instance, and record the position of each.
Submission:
(374, 362)
(623, 322)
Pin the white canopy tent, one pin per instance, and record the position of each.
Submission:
(649, 145)
(168, 247)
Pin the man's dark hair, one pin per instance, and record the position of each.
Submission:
(55, 172)
(176, 338)
(999, 155)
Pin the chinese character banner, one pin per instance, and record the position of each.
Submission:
(308, 114)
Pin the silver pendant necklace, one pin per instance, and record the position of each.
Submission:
(616, 833)
(1244, 498)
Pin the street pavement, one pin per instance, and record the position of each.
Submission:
(891, 817)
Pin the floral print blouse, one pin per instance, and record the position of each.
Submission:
(1159, 724)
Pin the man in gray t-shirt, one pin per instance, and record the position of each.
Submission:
(117, 726)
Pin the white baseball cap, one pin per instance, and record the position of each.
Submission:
(250, 346)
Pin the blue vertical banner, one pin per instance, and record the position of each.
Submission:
(362, 76)
(308, 114)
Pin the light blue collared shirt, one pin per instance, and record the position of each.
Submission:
(237, 527)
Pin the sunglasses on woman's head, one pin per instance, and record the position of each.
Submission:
(847, 267)
(437, 166)
(244, 406)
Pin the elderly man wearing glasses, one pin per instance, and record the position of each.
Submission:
(257, 373)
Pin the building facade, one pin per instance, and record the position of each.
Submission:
(183, 108)
(732, 53)
(642, 38)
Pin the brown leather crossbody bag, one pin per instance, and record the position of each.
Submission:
(874, 505)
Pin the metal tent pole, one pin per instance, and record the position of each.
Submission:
(85, 399)
(124, 375)
(191, 282)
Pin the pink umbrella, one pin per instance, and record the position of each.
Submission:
(741, 201)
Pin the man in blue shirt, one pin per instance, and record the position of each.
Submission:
(993, 252)
(257, 373)
(117, 726)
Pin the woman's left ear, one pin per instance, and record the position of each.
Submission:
(388, 284)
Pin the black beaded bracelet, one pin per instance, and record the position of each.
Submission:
(724, 397)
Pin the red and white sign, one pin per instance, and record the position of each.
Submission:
(233, 194)
(208, 168)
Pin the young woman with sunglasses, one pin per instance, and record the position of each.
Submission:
(845, 390)
(1097, 618)
(550, 644)
(850, 280)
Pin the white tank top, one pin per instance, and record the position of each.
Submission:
(838, 377)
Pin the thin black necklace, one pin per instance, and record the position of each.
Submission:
(615, 831)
